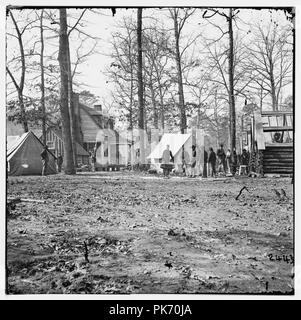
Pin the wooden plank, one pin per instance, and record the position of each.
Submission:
(278, 159)
(282, 128)
(279, 149)
(275, 113)
(286, 170)
(278, 164)
(278, 168)
(275, 144)
(284, 157)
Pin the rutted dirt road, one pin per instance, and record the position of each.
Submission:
(145, 234)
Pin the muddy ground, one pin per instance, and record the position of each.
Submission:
(129, 233)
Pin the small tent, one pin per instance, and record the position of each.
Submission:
(175, 141)
(23, 156)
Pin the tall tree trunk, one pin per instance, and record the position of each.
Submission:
(155, 110)
(162, 118)
(42, 79)
(183, 121)
(231, 85)
(23, 113)
(216, 120)
(73, 120)
(161, 109)
(140, 87)
(273, 88)
(64, 105)
(131, 123)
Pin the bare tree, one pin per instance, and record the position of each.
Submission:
(220, 61)
(123, 70)
(64, 105)
(42, 78)
(158, 81)
(231, 84)
(141, 121)
(271, 60)
(20, 86)
(179, 22)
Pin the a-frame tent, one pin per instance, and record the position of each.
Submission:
(24, 156)
(176, 142)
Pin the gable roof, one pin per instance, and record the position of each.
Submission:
(24, 156)
(94, 114)
(175, 142)
(90, 111)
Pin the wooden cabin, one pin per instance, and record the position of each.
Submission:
(96, 129)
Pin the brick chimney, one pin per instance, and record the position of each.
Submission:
(98, 107)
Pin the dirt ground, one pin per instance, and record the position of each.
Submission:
(129, 233)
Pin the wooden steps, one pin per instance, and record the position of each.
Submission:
(278, 159)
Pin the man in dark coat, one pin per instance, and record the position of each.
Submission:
(205, 164)
(45, 159)
(93, 159)
(245, 159)
(234, 161)
(59, 163)
(193, 161)
(221, 158)
(212, 161)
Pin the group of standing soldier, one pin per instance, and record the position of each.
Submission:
(226, 163)
(213, 164)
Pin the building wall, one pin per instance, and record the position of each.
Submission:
(89, 127)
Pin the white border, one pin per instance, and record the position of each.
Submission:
(154, 3)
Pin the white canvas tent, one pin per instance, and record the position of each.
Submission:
(175, 141)
(23, 155)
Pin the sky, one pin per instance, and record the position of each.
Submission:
(101, 26)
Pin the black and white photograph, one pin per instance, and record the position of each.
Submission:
(150, 150)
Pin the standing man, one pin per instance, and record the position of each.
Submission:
(234, 162)
(212, 161)
(193, 161)
(167, 157)
(205, 163)
(228, 160)
(221, 156)
(45, 159)
(245, 159)
(59, 162)
(93, 159)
